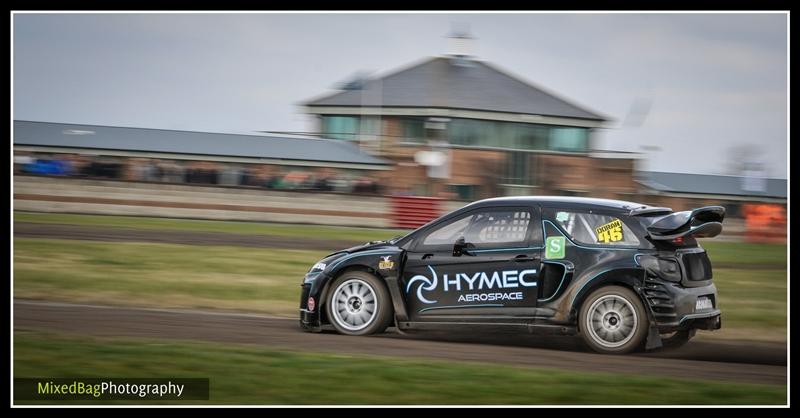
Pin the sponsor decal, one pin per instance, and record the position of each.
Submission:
(610, 232)
(460, 282)
(555, 248)
(386, 263)
(562, 216)
(490, 297)
(425, 284)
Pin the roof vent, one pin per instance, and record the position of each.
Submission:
(754, 177)
(461, 45)
(356, 82)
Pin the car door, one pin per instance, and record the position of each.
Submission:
(497, 270)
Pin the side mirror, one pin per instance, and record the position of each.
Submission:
(461, 247)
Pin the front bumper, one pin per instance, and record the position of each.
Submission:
(309, 320)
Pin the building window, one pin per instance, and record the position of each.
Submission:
(465, 132)
(472, 132)
(533, 137)
(340, 127)
(464, 191)
(512, 135)
(569, 139)
(518, 169)
(370, 128)
(413, 130)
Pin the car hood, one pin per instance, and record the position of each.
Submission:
(372, 245)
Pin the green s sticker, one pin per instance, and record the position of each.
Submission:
(554, 247)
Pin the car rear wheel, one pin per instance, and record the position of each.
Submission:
(359, 304)
(613, 320)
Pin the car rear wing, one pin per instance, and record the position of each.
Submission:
(705, 222)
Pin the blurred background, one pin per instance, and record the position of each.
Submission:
(672, 110)
(325, 130)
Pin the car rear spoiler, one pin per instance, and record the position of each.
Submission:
(705, 222)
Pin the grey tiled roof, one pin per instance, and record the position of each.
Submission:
(438, 83)
(711, 184)
(50, 134)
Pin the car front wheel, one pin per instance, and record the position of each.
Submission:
(613, 320)
(359, 304)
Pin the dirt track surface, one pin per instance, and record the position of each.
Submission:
(105, 233)
(735, 361)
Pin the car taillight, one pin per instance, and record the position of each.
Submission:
(678, 241)
(311, 304)
(664, 268)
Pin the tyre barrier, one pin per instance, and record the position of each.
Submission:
(410, 212)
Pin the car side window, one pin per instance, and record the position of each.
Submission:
(596, 229)
(448, 233)
(490, 228)
(499, 228)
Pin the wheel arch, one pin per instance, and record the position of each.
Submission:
(628, 277)
(323, 298)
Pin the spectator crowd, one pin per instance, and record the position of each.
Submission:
(199, 172)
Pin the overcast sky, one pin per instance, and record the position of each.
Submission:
(693, 85)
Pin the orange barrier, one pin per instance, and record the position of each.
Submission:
(764, 222)
(410, 212)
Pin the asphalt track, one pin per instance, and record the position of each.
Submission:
(732, 361)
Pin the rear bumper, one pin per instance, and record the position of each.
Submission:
(705, 321)
(674, 306)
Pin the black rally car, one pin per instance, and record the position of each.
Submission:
(622, 275)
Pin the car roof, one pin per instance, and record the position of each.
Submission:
(621, 205)
(628, 208)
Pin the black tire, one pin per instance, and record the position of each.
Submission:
(613, 320)
(345, 320)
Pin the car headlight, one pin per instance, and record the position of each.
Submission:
(315, 272)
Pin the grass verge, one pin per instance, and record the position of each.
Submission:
(251, 228)
(251, 375)
(746, 255)
(161, 275)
